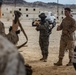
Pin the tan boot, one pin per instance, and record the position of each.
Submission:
(59, 63)
(69, 63)
(44, 58)
(41, 59)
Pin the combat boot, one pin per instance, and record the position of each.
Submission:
(59, 63)
(44, 58)
(69, 63)
(41, 59)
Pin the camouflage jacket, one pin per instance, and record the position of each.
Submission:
(69, 25)
(43, 28)
(11, 36)
(10, 62)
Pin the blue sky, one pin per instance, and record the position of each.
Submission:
(60, 1)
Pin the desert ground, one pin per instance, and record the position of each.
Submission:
(32, 53)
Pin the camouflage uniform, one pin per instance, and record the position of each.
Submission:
(10, 62)
(11, 36)
(44, 37)
(68, 27)
(67, 40)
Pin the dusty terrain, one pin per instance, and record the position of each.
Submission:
(32, 53)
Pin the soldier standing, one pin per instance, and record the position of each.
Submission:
(68, 27)
(43, 27)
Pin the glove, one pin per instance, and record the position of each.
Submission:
(36, 22)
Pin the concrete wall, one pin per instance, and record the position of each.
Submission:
(27, 13)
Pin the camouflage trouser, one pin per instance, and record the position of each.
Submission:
(44, 43)
(66, 44)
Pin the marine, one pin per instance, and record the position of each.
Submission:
(43, 28)
(68, 27)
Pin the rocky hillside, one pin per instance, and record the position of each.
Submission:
(42, 4)
(36, 4)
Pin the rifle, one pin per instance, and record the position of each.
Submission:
(16, 19)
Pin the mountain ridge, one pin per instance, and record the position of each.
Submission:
(37, 4)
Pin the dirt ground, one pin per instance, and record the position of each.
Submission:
(32, 53)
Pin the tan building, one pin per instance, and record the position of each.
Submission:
(27, 12)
